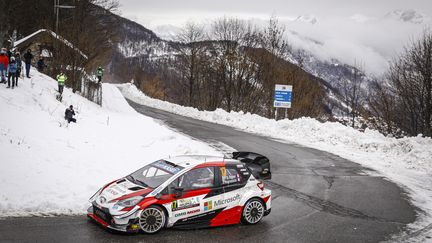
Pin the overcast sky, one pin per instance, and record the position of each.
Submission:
(350, 30)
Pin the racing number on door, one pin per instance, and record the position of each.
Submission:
(195, 185)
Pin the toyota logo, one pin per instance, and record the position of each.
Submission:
(102, 199)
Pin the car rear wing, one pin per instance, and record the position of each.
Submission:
(258, 164)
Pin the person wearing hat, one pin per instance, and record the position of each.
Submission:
(28, 59)
(99, 74)
(69, 113)
(12, 73)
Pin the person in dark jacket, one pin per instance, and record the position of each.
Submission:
(69, 113)
(99, 74)
(19, 64)
(41, 64)
(28, 57)
(4, 63)
(12, 73)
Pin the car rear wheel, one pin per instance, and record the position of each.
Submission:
(152, 219)
(253, 211)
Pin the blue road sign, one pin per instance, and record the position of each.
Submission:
(282, 96)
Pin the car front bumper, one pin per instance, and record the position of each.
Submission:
(103, 218)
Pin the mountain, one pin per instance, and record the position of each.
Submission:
(141, 54)
(167, 32)
(408, 16)
(311, 19)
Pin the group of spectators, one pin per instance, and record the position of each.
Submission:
(11, 66)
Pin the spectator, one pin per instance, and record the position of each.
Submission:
(4, 62)
(41, 64)
(28, 57)
(12, 73)
(69, 113)
(61, 79)
(99, 74)
(19, 64)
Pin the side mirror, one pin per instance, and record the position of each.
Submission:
(178, 192)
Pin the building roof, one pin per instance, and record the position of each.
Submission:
(56, 36)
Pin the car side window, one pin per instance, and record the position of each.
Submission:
(196, 179)
(230, 175)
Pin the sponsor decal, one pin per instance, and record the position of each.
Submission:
(226, 201)
(240, 166)
(197, 216)
(208, 206)
(186, 213)
(243, 169)
(185, 203)
(223, 171)
(164, 166)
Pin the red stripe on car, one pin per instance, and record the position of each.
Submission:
(134, 194)
(228, 216)
(208, 164)
(99, 220)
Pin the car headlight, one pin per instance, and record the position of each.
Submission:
(129, 202)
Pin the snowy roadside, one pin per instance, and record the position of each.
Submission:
(405, 161)
(48, 167)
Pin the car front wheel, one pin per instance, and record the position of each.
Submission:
(152, 219)
(253, 211)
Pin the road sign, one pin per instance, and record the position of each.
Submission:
(282, 96)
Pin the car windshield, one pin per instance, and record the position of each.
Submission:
(154, 174)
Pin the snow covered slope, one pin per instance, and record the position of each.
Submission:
(48, 167)
(406, 161)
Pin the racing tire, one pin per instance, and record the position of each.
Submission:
(253, 211)
(152, 219)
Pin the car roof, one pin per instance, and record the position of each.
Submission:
(194, 160)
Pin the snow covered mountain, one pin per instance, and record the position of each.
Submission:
(409, 16)
(143, 51)
(309, 18)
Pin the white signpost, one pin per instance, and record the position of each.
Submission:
(282, 98)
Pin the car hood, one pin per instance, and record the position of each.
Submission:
(119, 190)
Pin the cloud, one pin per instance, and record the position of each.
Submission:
(373, 42)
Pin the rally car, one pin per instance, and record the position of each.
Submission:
(186, 192)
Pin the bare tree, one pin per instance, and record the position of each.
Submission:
(381, 102)
(191, 52)
(352, 92)
(411, 77)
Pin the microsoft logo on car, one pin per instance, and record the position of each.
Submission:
(208, 206)
(228, 200)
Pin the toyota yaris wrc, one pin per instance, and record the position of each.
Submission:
(186, 192)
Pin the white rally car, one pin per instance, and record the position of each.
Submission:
(186, 192)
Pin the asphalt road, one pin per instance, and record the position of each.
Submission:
(317, 197)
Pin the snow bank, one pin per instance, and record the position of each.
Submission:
(48, 167)
(406, 161)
